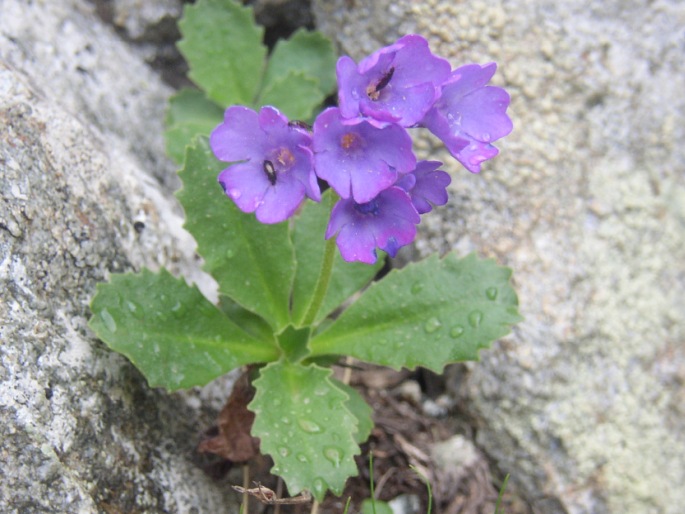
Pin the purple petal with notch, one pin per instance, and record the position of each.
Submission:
(426, 185)
(398, 83)
(360, 160)
(470, 115)
(276, 171)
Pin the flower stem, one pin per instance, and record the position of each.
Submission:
(324, 277)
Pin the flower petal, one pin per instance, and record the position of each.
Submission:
(350, 83)
(239, 137)
(359, 160)
(398, 83)
(280, 201)
(429, 186)
(470, 115)
(484, 114)
(387, 222)
(245, 184)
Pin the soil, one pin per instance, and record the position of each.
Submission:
(412, 414)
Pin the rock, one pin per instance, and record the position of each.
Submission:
(583, 404)
(284, 16)
(150, 21)
(151, 28)
(86, 191)
(405, 504)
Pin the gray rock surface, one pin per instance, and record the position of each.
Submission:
(141, 21)
(85, 191)
(151, 30)
(584, 403)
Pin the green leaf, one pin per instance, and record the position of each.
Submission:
(247, 320)
(294, 94)
(189, 105)
(303, 423)
(346, 278)
(360, 409)
(224, 50)
(172, 333)
(189, 114)
(427, 314)
(253, 263)
(293, 342)
(373, 506)
(311, 53)
(501, 495)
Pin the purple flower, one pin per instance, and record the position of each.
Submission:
(387, 222)
(470, 115)
(275, 172)
(358, 159)
(426, 185)
(398, 83)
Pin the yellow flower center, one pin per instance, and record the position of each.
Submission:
(350, 141)
(285, 158)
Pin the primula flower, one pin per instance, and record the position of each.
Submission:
(470, 115)
(358, 159)
(398, 83)
(275, 172)
(387, 222)
(426, 185)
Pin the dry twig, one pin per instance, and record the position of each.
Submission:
(268, 497)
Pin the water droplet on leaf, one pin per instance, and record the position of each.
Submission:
(308, 425)
(230, 253)
(475, 318)
(432, 325)
(302, 458)
(132, 307)
(417, 288)
(491, 293)
(456, 331)
(178, 309)
(333, 455)
(108, 320)
(319, 486)
(283, 451)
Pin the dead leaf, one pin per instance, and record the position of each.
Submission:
(234, 441)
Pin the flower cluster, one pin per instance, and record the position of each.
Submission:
(362, 148)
